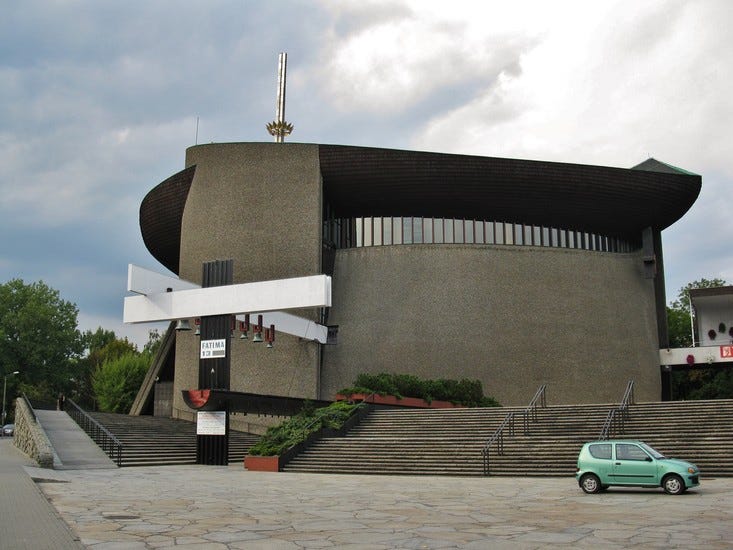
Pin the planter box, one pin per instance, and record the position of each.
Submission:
(413, 402)
(262, 463)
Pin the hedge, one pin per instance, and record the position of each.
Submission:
(465, 392)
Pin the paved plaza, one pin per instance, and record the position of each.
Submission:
(205, 507)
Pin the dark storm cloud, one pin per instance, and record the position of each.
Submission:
(99, 100)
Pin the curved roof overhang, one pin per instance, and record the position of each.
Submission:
(161, 213)
(361, 181)
(364, 181)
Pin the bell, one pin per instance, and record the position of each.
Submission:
(197, 322)
(257, 329)
(183, 324)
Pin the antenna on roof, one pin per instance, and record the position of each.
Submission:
(279, 128)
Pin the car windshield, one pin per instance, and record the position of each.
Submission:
(656, 454)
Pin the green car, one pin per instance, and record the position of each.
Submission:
(632, 463)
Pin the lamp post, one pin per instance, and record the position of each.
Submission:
(5, 388)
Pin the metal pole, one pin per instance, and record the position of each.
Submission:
(692, 322)
(281, 76)
(279, 128)
(5, 388)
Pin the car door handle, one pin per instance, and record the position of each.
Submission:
(618, 464)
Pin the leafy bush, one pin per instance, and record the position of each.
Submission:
(116, 382)
(464, 392)
(297, 428)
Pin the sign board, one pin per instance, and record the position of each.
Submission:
(211, 423)
(213, 349)
(726, 352)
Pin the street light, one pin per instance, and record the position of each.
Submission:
(5, 388)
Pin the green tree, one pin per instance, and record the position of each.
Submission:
(38, 338)
(116, 382)
(97, 339)
(102, 346)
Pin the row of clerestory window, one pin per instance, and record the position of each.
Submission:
(387, 231)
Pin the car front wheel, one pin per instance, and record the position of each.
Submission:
(590, 483)
(673, 485)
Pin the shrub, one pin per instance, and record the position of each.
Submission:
(464, 392)
(116, 382)
(297, 428)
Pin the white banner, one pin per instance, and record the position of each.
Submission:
(211, 423)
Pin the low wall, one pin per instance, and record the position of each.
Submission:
(29, 435)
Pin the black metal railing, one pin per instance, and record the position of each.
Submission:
(507, 425)
(615, 423)
(530, 413)
(99, 434)
(498, 437)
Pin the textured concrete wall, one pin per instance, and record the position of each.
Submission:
(262, 208)
(30, 437)
(513, 317)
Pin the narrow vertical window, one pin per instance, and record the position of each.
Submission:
(387, 228)
(417, 231)
(427, 230)
(469, 236)
(458, 231)
(448, 231)
(406, 230)
(438, 230)
(359, 232)
(377, 231)
(396, 230)
(367, 238)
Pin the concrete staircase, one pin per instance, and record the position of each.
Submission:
(158, 441)
(449, 442)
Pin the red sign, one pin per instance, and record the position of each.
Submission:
(726, 352)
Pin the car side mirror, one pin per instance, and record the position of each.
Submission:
(649, 459)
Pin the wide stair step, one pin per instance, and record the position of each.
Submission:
(450, 442)
(158, 441)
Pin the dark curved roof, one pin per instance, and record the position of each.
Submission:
(364, 181)
(161, 213)
(360, 181)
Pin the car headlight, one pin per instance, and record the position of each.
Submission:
(691, 470)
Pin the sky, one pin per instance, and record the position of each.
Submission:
(99, 100)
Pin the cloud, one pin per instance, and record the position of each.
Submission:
(98, 102)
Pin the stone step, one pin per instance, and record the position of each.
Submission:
(450, 442)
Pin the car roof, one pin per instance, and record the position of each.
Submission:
(614, 441)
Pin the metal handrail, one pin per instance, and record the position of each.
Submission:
(99, 434)
(531, 410)
(615, 422)
(498, 438)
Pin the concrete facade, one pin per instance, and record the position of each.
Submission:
(261, 209)
(582, 319)
(513, 317)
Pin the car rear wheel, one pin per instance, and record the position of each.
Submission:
(590, 483)
(673, 485)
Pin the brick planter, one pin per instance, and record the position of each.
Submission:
(262, 463)
(413, 402)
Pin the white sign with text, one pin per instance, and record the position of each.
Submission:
(211, 423)
(213, 349)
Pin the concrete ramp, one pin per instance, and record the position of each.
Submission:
(73, 448)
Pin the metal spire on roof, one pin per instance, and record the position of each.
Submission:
(279, 127)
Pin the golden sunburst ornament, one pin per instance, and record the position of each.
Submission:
(279, 129)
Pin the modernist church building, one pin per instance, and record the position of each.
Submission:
(514, 272)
